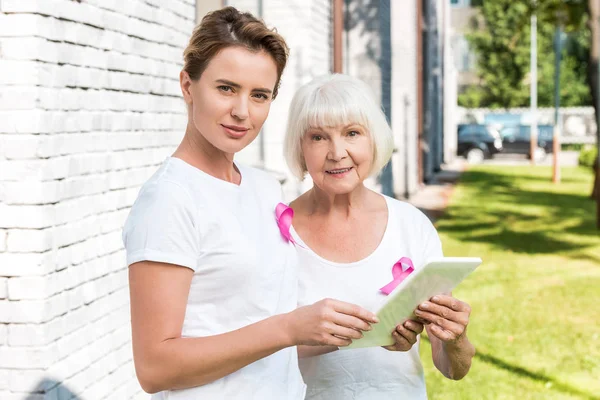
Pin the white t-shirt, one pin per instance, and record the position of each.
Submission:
(370, 373)
(244, 270)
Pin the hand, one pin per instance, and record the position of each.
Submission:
(405, 335)
(328, 323)
(448, 317)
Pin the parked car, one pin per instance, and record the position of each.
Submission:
(478, 142)
(516, 140)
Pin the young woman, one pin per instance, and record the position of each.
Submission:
(350, 237)
(213, 283)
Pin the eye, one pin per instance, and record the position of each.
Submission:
(261, 96)
(316, 138)
(225, 88)
(353, 133)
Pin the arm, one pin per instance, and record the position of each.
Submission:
(447, 320)
(164, 360)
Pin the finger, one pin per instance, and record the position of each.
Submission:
(410, 336)
(440, 311)
(442, 334)
(350, 322)
(353, 310)
(414, 326)
(441, 321)
(344, 332)
(338, 341)
(402, 343)
(452, 303)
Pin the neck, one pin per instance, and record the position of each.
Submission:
(198, 152)
(345, 204)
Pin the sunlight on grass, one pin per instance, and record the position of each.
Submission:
(536, 298)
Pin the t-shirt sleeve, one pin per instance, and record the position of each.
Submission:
(162, 227)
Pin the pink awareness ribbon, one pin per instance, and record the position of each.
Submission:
(399, 273)
(284, 216)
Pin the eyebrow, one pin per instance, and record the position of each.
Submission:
(238, 86)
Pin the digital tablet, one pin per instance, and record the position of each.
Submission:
(437, 276)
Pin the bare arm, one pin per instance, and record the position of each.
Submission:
(164, 360)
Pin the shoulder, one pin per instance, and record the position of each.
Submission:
(408, 215)
(260, 178)
(163, 194)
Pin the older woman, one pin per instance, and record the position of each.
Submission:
(349, 238)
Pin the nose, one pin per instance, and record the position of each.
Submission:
(239, 109)
(337, 150)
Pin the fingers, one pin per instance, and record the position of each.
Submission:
(344, 332)
(352, 310)
(407, 334)
(434, 312)
(350, 322)
(451, 303)
(415, 326)
(443, 334)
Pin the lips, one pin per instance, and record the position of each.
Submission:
(235, 131)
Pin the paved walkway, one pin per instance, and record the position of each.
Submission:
(433, 198)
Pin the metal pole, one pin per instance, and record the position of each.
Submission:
(338, 27)
(533, 89)
(556, 144)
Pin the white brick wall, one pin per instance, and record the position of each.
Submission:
(89, 106)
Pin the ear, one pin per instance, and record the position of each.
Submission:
(186, 86)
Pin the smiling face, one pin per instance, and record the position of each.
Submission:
(339, 158)
(230, 101)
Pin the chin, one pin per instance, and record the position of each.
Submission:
(231, 146)
(341, 189)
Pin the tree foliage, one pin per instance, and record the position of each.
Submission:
(500, 39)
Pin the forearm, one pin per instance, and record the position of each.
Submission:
(453, 360)
(181, 363)
(312, 351)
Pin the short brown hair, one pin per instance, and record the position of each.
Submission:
(229, 27)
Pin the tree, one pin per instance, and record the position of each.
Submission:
(500, 39)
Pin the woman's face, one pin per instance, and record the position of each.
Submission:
(230, 101)
(338, 159)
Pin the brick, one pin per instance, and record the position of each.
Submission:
(26, 358)
(24, 217)
(2, 234)
(26, 264)
(3, 289)
(18, 97)
(33, 311)
(29, 240)
(4, 379)
(28, 380)
(33, 287)
(19, 73)
(3, 337)
(32, 334)
(18, 146)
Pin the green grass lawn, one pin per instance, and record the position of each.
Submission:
(536, 298)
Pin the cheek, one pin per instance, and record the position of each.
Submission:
(312, 158)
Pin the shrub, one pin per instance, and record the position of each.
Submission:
(588, 156)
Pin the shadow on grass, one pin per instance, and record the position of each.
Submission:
(502, 210)
(536, 376)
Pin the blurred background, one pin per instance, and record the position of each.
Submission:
(494, 124)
